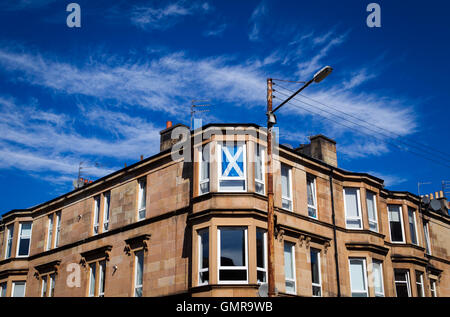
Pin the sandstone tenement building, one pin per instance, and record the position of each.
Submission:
(167, 226)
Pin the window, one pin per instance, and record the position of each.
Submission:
(371, 202)
(44, 286)
(259, 170)
(18, 289)
(24, 238)
(3, 289)
(358, 277)
(419, 284)
(52, 285)
(233, 255)
(261, 255)
(352, 208)
(96, 214)
(142, 199)
(289, 268)
(48, 285)
(203, 257)
(203, 170)
(97, 278)
(138, 272)
(9, 241)
(315, 273)
(232, 167)
(402, 286)
(50, 232)
(312, 197)
(377, 274)
(433, 288)
(58, 228)
(106, 204)
(396, 223)
(427, 238)
(286, 187)
(412, 225)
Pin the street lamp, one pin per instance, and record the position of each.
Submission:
(271, 121)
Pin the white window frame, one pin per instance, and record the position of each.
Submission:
(21, 237)
(263, 269)
(3, 287)
(294, 273)
(142, 193)
(202, 181)
(433, 288)
(372, 221)
(358, 199)
(52, 285)
(366, 291)
(415, 225)
(420, 283)
(91, 274)
(50, 232)
(319, 285)
(426, 231)
(380, 263)
(200, 254)
(9, 241)
(24, 287)
(244, 165)
(44, 285)
(136, 263)
(106, 210)
(283, 197)
(96, 225)
(408, 281)
(230, 268)
(101, 278)
(58, 229)
(260, 159)
(401, 222)
(312, 178)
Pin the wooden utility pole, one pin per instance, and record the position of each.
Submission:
(270, 202)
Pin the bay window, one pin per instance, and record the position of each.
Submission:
(286, 187)
(352, 205)
(311, 195)
(358, 277)
(24, 239)
(371, 202)
(232, 255)
(232, 167)
(396, 223)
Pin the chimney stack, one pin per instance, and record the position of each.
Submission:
(321, 148)
(166, 136)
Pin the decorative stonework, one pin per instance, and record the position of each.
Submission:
(102, 253)
(137, 243)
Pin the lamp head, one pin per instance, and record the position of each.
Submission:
(321, 74)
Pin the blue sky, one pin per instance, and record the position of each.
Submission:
(101, 93)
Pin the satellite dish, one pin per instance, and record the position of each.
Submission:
(426, 200)
(435, 205)
(263, 290)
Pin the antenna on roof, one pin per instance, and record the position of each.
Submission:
(79, 182)
(446, 188)
(418, 186)
(194, 109)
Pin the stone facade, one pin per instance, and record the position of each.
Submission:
(175, 211)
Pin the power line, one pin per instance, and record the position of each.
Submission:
(443, 156)
(352, 128)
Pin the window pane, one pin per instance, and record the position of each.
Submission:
(3, 290)
(290, 286)
(371, 211)
(357, 275)
(44, 286)
(204, 171)
(412, 225)
(232, 185)
(285, 181)
(18, 289)
(52, 285)
(259, 188)
(401, 289)
(401, 283)
(316, 291)
(232, 161)
(260, 248)
(377, 278)
(142, 193)
(232, 247)
(310, 191)
(353, 223)
(288, 258)
(233, 275)
(351, 202)
(102, 277)
(258, 163)
(24, 246)
(419, 284)
(395, 223)
(204, 251)
(261, 276)
(315, 274)
(92, 279)
(139, 267)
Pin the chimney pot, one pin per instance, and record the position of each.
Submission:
(168, 124)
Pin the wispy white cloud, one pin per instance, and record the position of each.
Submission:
(216, 30)
(256, 21)
(389, 179)
(150, 17)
